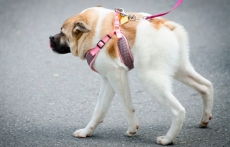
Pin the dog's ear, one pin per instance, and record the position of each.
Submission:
(81, 26)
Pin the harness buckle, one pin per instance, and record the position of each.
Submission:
(144, 17)
(101, 44)
(119, 10)
(132, 17)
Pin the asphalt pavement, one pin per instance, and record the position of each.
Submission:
(45, 97)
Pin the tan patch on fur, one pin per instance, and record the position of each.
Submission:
(90, 17)
(107, 28)
(170, 26)
(158, 22)
(129, 29)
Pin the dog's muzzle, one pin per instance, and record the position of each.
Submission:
(57, 47)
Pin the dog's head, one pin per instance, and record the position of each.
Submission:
(76, 34)
(66, 41)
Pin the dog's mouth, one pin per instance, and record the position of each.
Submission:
(51, 45)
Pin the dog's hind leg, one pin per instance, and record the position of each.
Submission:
(119, 81)
(104, 100)
(158, 85)
(187, 75)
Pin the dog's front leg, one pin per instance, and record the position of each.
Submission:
(105, 97)
(119, 81)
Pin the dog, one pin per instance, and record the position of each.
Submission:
(160, 49)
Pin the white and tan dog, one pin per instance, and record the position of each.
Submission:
(160, 49)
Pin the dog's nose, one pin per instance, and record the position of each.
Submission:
(51, 37)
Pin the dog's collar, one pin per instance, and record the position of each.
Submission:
(124, 52)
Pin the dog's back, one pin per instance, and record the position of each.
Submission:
(152, 41)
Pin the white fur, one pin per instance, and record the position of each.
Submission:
(102, 14)
(159, 57)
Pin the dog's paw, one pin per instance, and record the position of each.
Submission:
(204, 121)
(132, 132)
(82, 133)
(128, 133)
(162, 140)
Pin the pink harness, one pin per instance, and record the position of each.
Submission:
(124, 51)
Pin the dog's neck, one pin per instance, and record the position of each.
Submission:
(101, 25)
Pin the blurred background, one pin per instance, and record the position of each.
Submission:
(45, 97)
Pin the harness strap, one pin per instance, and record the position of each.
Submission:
(91, 55)
(162, 14)
(117, 25)
(124, 52)
(125, 55)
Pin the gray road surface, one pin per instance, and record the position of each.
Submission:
(45, 97)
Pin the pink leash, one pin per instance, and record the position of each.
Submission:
(162, 14)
